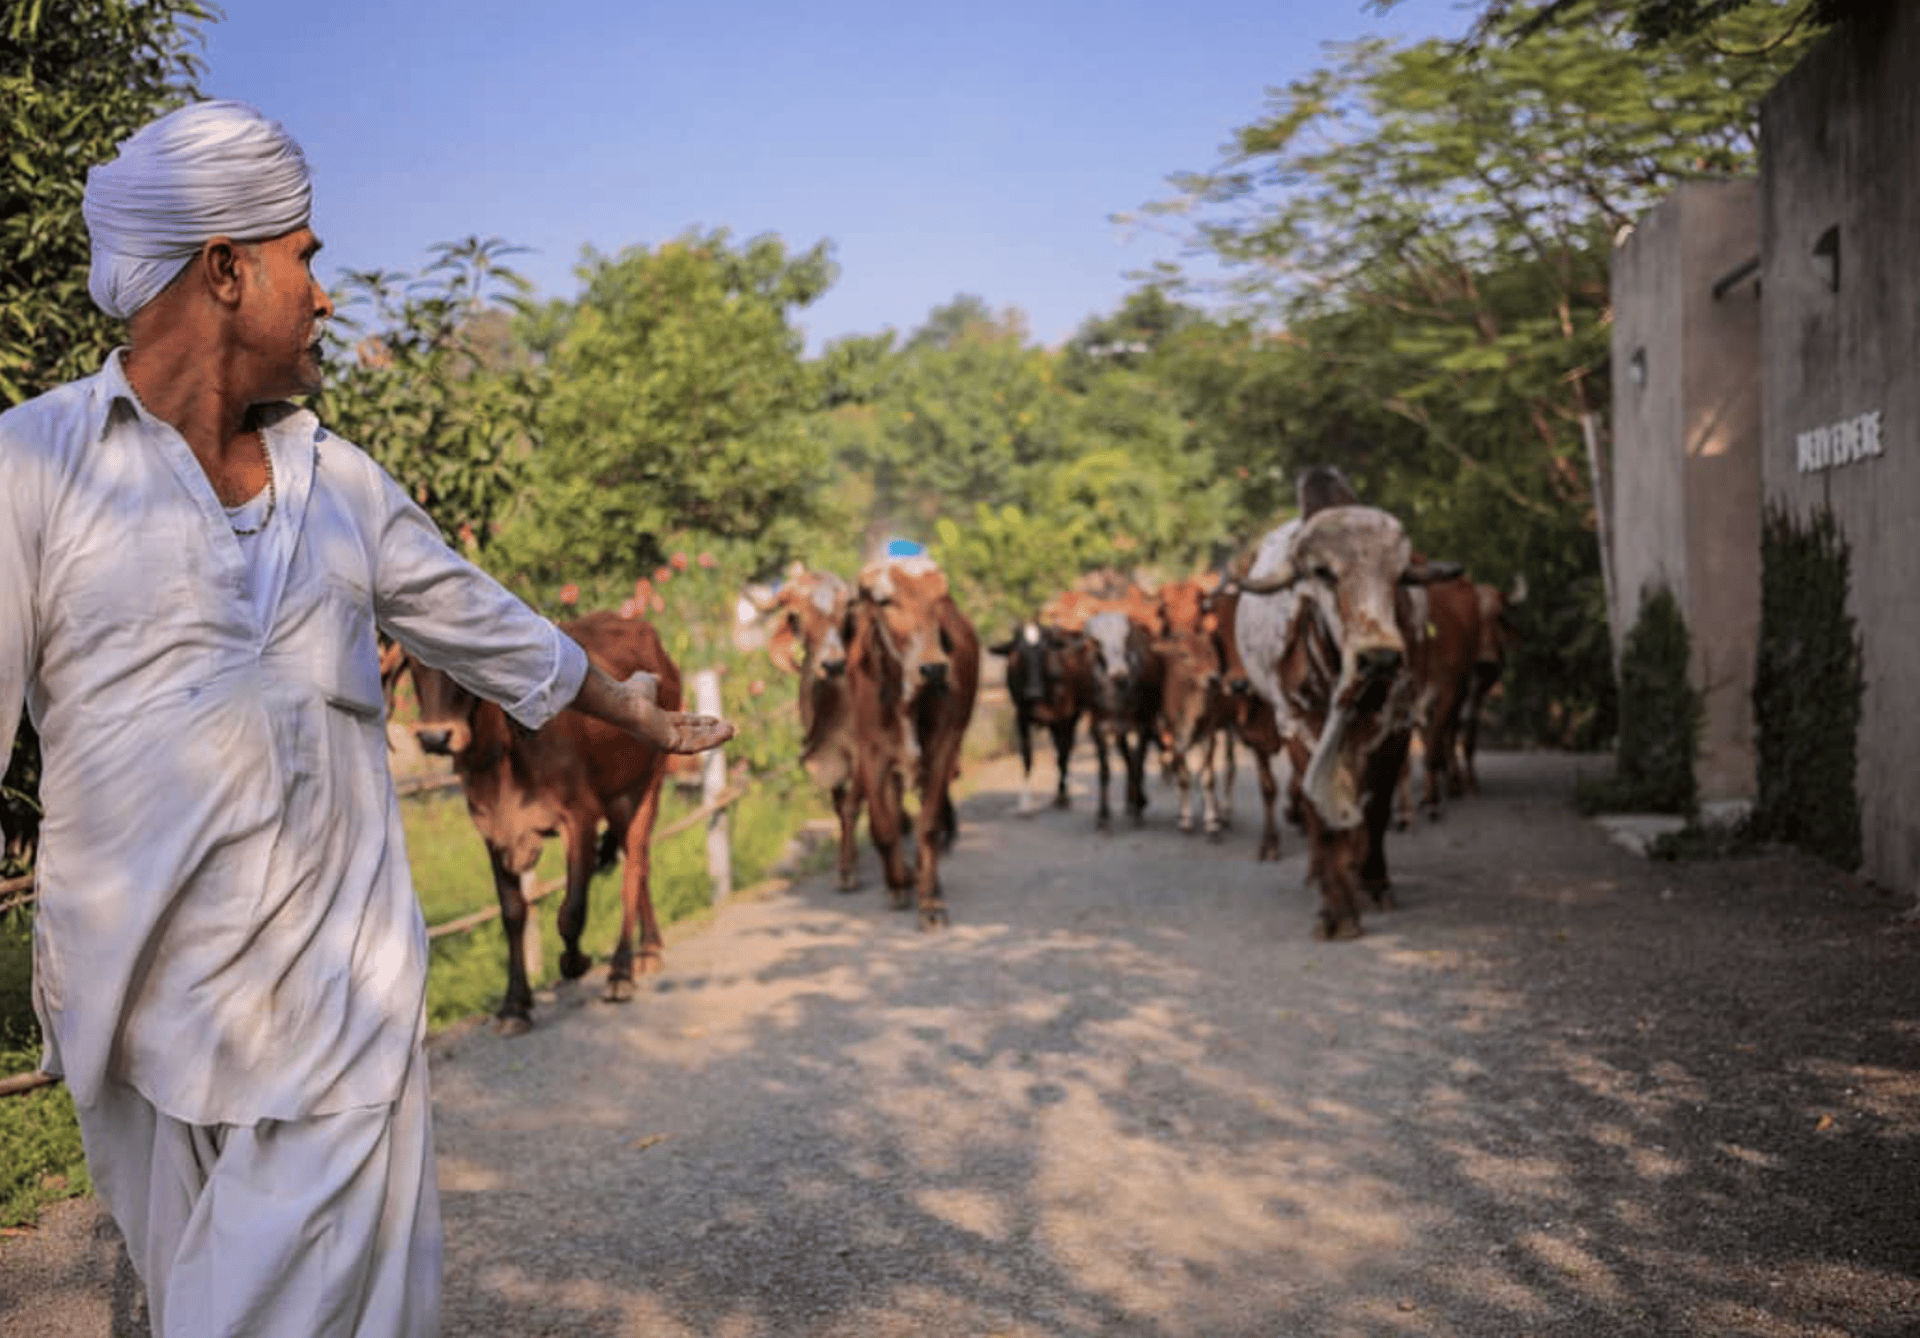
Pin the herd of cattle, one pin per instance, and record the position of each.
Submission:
(1337, 645)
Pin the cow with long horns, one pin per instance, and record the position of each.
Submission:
(1326, 631)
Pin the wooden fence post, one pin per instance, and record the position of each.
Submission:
(530, 952)
(713, 783)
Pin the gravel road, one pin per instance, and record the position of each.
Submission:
(1561, 1091)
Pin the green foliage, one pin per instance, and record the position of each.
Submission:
(678, 402)
(1430, 225)
(1807, 687)
(434, 388)
(40, 1155)
(1661, 714)
(76, 78)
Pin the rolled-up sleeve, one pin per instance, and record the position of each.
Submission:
(455, 617)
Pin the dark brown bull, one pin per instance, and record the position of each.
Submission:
(565, 779)
(1048, 672)
(1341, 666)
(939, 658)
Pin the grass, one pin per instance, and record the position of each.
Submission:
(41, 1160)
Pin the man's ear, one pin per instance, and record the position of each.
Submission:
(223, 265)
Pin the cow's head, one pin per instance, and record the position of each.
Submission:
(906, 593)
(1350, 563)
(1350, 568)
(1119, 654)
(861, 711)
(1027, 653)
(445, 725)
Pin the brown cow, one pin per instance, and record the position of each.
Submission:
(1496, 638)
(1444, 667)
(1194, 718)
(1344, 693)
(939, 657)
(566, 778)
(812, 641)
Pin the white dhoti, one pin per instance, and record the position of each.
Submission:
(320, 1228)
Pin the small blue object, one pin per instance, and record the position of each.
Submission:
(905, 548)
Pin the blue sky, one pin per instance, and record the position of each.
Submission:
(943, 148)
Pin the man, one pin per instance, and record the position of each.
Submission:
(229, 964)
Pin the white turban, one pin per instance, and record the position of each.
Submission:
(212, 169)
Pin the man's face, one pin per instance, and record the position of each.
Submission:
(282, 310)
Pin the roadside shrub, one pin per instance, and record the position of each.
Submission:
(1807, 686)
(1661, 713)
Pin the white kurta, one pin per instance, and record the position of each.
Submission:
(226, 920)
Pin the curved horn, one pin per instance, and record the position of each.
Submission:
(1270, 585)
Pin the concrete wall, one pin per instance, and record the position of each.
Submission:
(1840, 150)
(1686, 447)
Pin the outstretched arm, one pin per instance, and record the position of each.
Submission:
(630, 705)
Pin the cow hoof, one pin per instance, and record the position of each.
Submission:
(618, 991)
(1381, 891)
(1269, 851)
(847, 883)
(933, 917)
(1333, 930)
(651, 963)
(513, 1024)
(1060, 801)
(575, 964)
(902, 900)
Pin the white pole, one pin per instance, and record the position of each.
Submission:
(530, 932)
(713, 783)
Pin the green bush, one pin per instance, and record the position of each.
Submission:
(1807, 685)
(1661, 713)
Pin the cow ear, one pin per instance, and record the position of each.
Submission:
(780, 647)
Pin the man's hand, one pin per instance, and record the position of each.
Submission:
(632, 705)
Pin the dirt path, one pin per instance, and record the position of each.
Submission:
(1562, 1091)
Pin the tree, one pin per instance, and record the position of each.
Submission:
(76, 78)
(435, 385)
(1430, 226)
(678, 402)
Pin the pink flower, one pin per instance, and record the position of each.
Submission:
(706, 559)
(569, 593)
(643, 589)
(659, 604)
(679, 561)
(627, 610)
(756, 687)
(662, 575)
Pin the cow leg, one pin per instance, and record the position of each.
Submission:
(1175, 759)
(1210, 786)
(636, 898)
(1403, 790)
(1340, 854)
(1388, 761)
(846, 805)
(886, 824)
(1063, 732)
(1230, 765)
(1104, 820)
(1269, 801)
(583, 855)
(516, 1006)
(1135, 746)
(943, 765)
(1023, 731)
